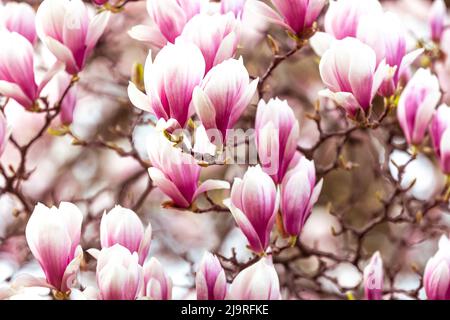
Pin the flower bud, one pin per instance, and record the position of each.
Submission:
(257, 282)
(277, 134)
(158, 286)
(373, 278)
(436, 278)
(437, 20)
(417, 104)
(123, 226)
(299, 193)
(440, 136)
(254, 204)
(218, 108)
(211, 282)
(119, 275)
(53, 235)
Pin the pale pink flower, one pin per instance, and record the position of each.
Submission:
(343, 16)
(299, 193)
(53, 235)
(69, 32)
(218, 108)
(417, 104)
(277, 134)
(157, 285)
(373, 278)
(4, 133)
(254, 205)
(56, 89)
(177, 173)
(440, 136)
(386, 35)
(210, 281)
(17, 77)
(20, 18)
(350, 71)
(437, 20)
(217, 36)
(234, 6)
(297, 16)
(170, 81)
(123, 226)
(119, 275)
(436, 277)
(257, 282)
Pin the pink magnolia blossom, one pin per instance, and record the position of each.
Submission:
(53, 235)
(17, 77)
(100, 2)
(343, 16)
(277, 134)
(436, 279)
(254, 204)
(69, 32)
(217, 36)
(437, 20)
(20, 18)
(218, 108)
(386, 35)
(4, 133)
(417, 104)
(123, 226)
(170, 81)
(297, 16)
(177, 173)
(119, 275)
(211, 282)
(234, 6)
(350, 71)
(168, 18)
(440, 136)
(257, 282)
(373, 278)
(299, 193)
(157, 285)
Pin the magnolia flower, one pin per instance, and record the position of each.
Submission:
(4, 133)
(17, 78)
(297, 16)
(157, 285)
(343, 16)
(68, 31)
(169, 82)
(218, 108)
(56, 90)
(437, 20)
(257, 282)
(436, 278)
(123, 226)
(177, 173)
(20, 18)
(217, 36)
(349, 70)
(299, 193)
(277, 134)
(53, 235)
(254, 204)
(440, 136)
(234, 6)
(373, 278)
(168, 18)
(119, 275)
(386, 35)
(416, 105)
(210, 281)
